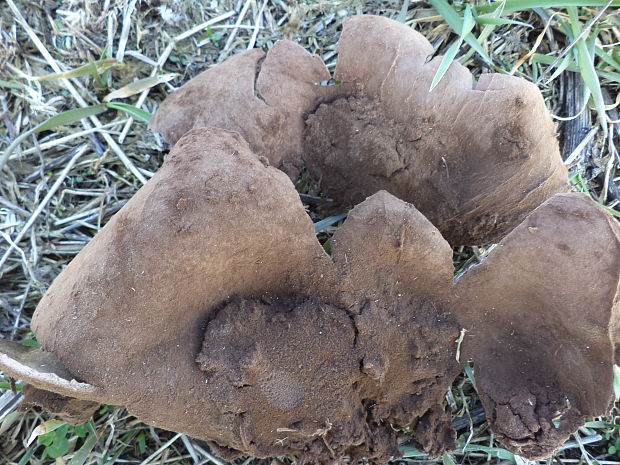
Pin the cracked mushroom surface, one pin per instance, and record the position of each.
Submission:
(207, 306)
(475, 158)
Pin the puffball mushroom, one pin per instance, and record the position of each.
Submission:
(475, 158)
(207, 306)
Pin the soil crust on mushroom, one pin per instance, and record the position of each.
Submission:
(298, 375)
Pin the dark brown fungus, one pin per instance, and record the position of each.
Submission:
(262, 96)
(207, 305)
(542, 315)
(475, 159)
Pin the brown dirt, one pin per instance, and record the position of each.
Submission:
(298, 376)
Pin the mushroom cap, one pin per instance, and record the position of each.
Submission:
(475, 159)
(542, 317)
(207, 306)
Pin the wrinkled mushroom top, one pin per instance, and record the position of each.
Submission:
(207, 306)
(474, 158)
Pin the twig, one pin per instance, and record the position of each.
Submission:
(154, 455)
(122, 41)
(257, 25)
(233, 33)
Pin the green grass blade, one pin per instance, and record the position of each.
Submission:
(547, 60)
(470, 376)
(617, 381)
(563, 66)
(500, 21)
(448, 58)
(607, 58)
(138, 86)
(61, 119)
(446, 61)
(486, 32)
(327, 222)
(83, 453)
(136, 112)
(511, 6)
(409, 451)
(494, 451)
(447, 459)
(70, 117)
(451, 17)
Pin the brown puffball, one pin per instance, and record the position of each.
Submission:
(207, 306)
(475, 158)
(542, 308)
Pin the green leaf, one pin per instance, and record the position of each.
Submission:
(7, 386)
(82, 454)
(59, 447)
(136, 112)
(451, 17)
(141, 443)
(617, 381)
(521, 5)
(46, 439)
(30, 343)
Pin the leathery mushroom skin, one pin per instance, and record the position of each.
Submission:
(207, 306)
(474, 158)
(542, 317)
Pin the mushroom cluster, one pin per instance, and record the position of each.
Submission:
(207, 306)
